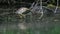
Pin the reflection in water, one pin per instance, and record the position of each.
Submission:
(13, 22)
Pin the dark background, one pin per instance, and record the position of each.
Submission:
(22, 3)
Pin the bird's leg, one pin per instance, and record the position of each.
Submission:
(22, 16)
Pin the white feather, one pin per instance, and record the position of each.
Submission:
(21, 10)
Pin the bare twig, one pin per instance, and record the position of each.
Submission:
(56, 7)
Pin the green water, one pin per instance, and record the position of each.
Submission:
(47, 25)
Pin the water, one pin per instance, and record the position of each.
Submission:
(35, 25)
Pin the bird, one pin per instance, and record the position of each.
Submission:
(22, 11)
